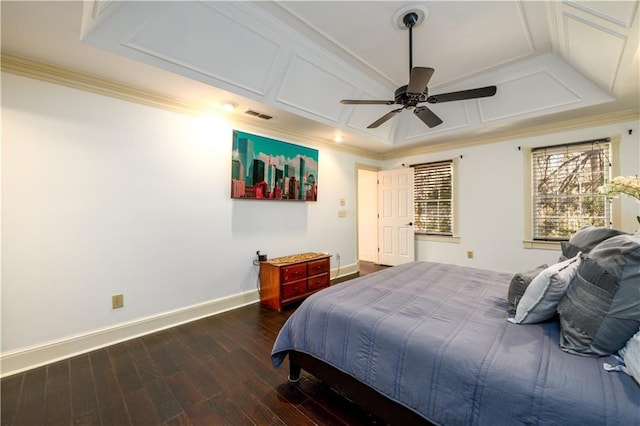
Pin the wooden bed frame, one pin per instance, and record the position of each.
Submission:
(354, 390)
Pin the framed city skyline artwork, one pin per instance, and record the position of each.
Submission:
(269, 169)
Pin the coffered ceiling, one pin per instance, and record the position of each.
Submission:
(552, 61)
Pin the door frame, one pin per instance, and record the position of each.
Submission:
(370, 168)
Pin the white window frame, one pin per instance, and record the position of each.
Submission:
(529, 241)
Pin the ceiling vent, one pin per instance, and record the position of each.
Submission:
(258, 114)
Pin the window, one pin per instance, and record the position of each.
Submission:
(433, 198)
(565, 181)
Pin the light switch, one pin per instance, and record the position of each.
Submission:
(342, 201)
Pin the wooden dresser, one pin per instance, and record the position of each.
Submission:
(284, 280)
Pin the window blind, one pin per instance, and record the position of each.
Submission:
(565, 188)
(433, 198)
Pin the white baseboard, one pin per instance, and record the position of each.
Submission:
(36, 356)
(344, 271)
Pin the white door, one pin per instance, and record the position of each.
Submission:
(395, 217)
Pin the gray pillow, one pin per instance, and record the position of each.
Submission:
(519, 284)
(585, 239)
(542, 296)
(601, 310)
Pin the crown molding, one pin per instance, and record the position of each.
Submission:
(77, 80)
(574, 124)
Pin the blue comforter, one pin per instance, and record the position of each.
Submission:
(435, 338)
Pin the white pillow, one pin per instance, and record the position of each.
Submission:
(540, 299)
(631, 356)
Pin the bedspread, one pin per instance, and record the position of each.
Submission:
(434, 337)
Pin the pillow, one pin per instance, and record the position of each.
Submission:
(585, 239)
(519, 284)
(542, 296)
(630, 354)
(601, 310)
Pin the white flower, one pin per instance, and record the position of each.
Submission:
(627, 185)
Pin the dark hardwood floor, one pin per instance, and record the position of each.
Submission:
(214, 371)
(369, 267)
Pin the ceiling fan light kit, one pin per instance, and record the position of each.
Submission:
(229, 106)
(417, 91)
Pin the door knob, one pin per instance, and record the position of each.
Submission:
(410, 224)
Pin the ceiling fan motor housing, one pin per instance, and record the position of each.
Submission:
(403, 98)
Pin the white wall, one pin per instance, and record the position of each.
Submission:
(102, 196)
(491, 200)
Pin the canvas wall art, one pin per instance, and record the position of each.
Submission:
(269, 169)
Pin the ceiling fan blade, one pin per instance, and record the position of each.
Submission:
(427, 116)
(384, 118)
(366, 102)
(419, 79)
(481, 92)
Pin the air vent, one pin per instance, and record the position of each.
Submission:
(258, 114)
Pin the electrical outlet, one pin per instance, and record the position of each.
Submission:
(117, 301)
(470, 254)
(338, 257)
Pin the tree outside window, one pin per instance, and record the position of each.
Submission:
(565, 188)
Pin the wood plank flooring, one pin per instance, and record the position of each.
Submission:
(215, 371)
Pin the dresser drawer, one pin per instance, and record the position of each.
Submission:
(318, 267)
(294, 289)
(318, 281)
(293, 273)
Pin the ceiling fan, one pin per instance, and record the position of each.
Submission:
(416, 92)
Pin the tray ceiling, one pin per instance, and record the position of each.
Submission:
(294, 61)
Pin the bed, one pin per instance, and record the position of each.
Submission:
(429, 343)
